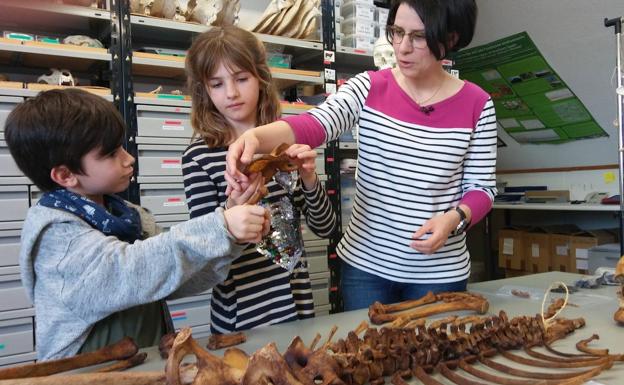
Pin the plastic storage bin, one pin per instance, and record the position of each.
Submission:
(358, 41)
(358, 10)
(358, 27)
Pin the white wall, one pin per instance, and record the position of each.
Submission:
(572, 37)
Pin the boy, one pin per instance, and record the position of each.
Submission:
(86, 260)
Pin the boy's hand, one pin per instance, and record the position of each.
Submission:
(248, 189)
(304, 157)
(247, 223)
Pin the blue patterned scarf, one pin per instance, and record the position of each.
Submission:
(119, 220)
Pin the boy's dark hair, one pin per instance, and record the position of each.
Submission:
(60, 127)
(448, 23)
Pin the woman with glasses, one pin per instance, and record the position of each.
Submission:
(426, 158)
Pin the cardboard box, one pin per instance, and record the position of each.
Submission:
(510, 248)
(537, 250)
(580, 243)
(560, 244)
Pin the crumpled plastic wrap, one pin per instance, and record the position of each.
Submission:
(283, 245)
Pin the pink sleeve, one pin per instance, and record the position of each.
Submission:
(307, 129)
(479, 203)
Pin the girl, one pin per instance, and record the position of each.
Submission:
(427, 156)
(232, 91)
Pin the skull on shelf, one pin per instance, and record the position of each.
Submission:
(167, 9)
(142, 7)
(58, 78)
(214, 12)
(383, 54)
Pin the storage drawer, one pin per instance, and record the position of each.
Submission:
(320, 161)
(7, 104)
(17, 359)
(8, 167)
(163, 198)
(320, 288)
(317, 261)
(190, 314)
(166, 221)
(160, 160)
(12, 293)
(161, 121)
(13, 203)
(9, 247)
(16, 336)
(322, 310)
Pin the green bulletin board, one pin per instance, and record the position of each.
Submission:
(533, 104)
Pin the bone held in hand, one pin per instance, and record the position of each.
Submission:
(121, 350)
(220, 341)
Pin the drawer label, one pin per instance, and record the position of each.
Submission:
(173, 202)
(171, 163)
(173, 125)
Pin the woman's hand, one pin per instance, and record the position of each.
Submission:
(305, 158)
(240, 152)
(440, 227)
(248, 188)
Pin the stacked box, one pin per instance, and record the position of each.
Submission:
(560, 243)
(537, 250)
(580, 243)
(510, 248)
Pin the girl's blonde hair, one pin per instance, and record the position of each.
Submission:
(235, 48)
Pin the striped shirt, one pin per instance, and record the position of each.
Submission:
(412, 166)
(257, 291)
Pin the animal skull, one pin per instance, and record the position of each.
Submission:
(383, 54)
(58, 77)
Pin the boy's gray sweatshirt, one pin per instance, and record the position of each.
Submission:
(75, 275)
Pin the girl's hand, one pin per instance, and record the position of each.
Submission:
(440, 228)
(240, 152)
(304, 157)
(248, 189)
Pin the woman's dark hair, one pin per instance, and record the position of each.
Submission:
(449, 24)
(59, 127)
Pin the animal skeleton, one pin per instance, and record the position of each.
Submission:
(449, 346)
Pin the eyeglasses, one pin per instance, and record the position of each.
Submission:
(395, 35)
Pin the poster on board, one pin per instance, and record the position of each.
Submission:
(533, 104)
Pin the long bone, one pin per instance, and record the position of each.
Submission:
(130, 378)
(480, 307)
(131, 362)
(380, 313)
(121, 350)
